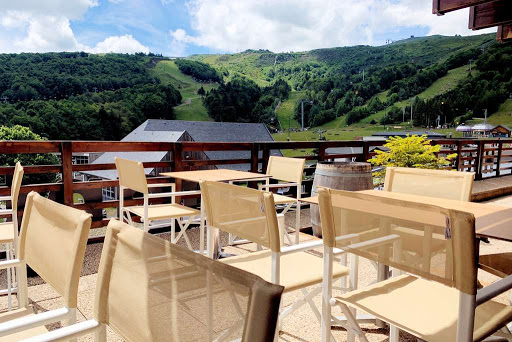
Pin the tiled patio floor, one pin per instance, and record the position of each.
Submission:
(293, 328)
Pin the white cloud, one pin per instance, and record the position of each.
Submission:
(119, 44)
(166, 2)
(298, 25)
(116, 1)
(41, 26)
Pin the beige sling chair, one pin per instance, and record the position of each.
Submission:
(251, 214)
(52, 242)
(9, 231)
(151, 290)
(132, 176)
(452, 185)
(288, 172)
(439, 304)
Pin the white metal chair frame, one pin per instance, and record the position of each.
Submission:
(11, 250)
(296, 182)
(467, 302)
(269, 208)
(66, 314)
(125, 212)
(92, 326)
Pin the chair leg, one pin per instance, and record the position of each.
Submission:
(352, 322)
(71, 320)
(101, 334)
(9, 282)
(297, 223)
(327, 294)
(201, 232)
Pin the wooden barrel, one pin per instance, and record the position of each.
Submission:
(350, 176)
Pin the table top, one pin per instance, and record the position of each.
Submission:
(216, 175)
(492, 221)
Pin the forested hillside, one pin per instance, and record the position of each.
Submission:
(82, 96)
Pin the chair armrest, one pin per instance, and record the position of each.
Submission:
(28, 322)
(176, 193)
(489, 292)
(279, 185)
(374, 242)
(68, 332)
(161, 185)
(11, 263)
(301, 247)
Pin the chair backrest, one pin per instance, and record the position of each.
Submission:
(286, 169)
(453, 185)
(149, 289)
(16, 184)
(52, 242)
(378, 222)
(244, 212)
(131, 175)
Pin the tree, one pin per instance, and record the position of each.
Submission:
(412, 151)
(201, 91)
(24, 133)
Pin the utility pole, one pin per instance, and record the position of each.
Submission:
(470, 61)
(302, 110)
(363, 75)
(403, 115)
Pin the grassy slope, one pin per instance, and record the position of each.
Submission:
(504, 115)
(442, 85)
(192, 107)
(285, 110)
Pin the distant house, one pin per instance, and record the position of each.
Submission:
(484, 130)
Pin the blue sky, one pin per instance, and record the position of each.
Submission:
(184, 27)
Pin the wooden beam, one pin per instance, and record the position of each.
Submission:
(490, 14)
(441, 7)
(504, 32)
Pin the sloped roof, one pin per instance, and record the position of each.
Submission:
(483, 127)
(200, 131)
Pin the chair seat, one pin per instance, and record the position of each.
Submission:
(280, 199)
(424, 308)
(10, 315)
(164, 211)
(6, 232)
(298, 270)
(499, 264)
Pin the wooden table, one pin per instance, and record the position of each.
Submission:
(491, 221)
(216, 175)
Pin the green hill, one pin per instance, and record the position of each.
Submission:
(192, 107)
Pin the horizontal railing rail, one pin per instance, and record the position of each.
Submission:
(487, 158)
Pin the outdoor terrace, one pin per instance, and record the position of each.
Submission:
(489, 159)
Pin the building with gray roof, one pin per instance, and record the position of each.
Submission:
(176, 130)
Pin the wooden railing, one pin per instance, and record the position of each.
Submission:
(487, 158)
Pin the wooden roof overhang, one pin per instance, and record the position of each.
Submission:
(482, 14)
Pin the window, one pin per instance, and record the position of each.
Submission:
(109, 193)
(80, 160)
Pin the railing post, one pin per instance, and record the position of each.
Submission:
(459, 156)
(266, 156)
(254, 157)
(366, 151)
(479, 160)
(66, 150)
(498, 160)
(177, 157)
(321, 152)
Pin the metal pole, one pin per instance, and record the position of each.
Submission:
(302, 109)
